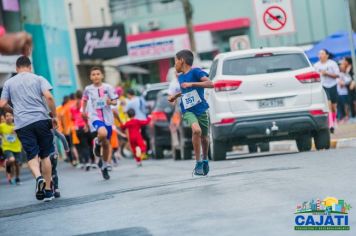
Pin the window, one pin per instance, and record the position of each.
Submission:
(213, 69)
(263, 64)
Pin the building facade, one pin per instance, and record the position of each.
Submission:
(52, 55)
(156, 29)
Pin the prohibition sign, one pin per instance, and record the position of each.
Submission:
(275, 18)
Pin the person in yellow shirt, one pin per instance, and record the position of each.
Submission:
(11, 148)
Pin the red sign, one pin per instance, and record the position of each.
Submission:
(275, 18)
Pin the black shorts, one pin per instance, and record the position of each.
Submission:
(331, 93)
(17, 155)
(37, 139)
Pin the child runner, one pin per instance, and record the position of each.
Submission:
(194, 106)
(11, 147)
(97, 100)
(137, 143)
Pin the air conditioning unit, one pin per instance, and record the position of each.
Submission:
(134, 28)
(153, 25)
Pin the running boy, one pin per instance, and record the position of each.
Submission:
(194, 106)
(137, 143)
(97, 100)
(11, 148)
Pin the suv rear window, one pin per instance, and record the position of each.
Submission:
(264, 64)
(151, 95)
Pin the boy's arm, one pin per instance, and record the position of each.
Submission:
(63, 139)
(173, 98)
(145, 122)
(204, 83)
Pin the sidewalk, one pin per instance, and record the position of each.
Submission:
(344, 137)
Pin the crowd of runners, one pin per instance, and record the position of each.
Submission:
(85, 129)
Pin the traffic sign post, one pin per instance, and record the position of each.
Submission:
(274, 17)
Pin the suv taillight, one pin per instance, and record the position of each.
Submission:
(317, 112)
(158, 116)
(310, 77)
(226, 85)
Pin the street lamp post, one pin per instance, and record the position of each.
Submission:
(351, 35)
(188, 13)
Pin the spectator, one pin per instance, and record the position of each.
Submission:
(329, 72)
(342, 88)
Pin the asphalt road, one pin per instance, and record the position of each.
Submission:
(245, 195)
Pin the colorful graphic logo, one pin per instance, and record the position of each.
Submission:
(328, 214)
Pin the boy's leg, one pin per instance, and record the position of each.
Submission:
(54, 161)
(102, 136)
(196, 139)
(204, 125)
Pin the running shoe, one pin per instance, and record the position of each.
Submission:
(40, 185)
(206, 167)
(87, 167)
(198, 170)
(94, 166)
(97, 148)
(109, 167)
(48, 195)
(105, 173)
(18, 181)
(57, 193)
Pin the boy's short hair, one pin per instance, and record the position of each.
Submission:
(130, 92)
(186, 55)
(23, 61)
(96, 68)
(78, 94)
(131, 113)
(10, 112)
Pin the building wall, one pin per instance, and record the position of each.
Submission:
(314, 19)
(86, 14)
(51, 52)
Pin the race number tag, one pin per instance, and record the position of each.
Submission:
(11, 138)
(100, 103)
(190, 99)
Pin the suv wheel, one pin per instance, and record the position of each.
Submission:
(252, 148)
(158, 151)
(322, 139)
(264, 147)
(218, 149)
(304, 143)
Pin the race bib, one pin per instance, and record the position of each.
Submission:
(100, 103)
(11, 138)
(190, 99)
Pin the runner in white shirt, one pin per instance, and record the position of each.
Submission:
(329, 72)
(97, 101)
(342, 89)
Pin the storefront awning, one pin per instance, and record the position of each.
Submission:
(236, 23)
(128, 69)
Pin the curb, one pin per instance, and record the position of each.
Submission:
(292, 146)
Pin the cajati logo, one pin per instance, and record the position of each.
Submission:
(328, 214)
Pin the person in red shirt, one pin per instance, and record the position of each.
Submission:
(82, 131)
(137, 143)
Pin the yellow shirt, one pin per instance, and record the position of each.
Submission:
(10, 141)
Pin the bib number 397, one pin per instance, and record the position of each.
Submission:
(100, 103)
(191, 99)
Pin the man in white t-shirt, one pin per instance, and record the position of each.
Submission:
(329, 72)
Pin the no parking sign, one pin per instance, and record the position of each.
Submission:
(274, 17)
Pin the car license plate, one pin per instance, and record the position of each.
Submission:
(270, 103)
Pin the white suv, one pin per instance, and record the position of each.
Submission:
(263, 95)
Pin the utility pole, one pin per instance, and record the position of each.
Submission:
(188, 13)
(351, 34)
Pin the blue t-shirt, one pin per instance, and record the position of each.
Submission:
(194, 75)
